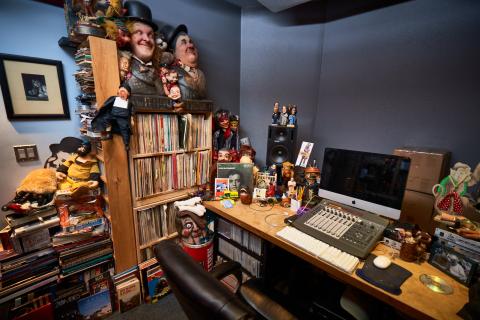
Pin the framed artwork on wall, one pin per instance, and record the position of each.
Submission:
(33, 88)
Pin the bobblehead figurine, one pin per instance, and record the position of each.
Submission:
(275, 114)
(116, 113)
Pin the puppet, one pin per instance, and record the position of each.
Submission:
(116, 114)
(80, 172)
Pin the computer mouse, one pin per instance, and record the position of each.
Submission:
(382, 262)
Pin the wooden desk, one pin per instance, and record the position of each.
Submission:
(416, 300)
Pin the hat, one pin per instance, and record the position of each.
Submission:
(138, 11)
(170, 33)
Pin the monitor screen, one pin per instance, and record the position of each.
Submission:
(369, 181)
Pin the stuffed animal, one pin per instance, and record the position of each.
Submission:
(35, 191)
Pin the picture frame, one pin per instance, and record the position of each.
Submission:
(239, 174)
(33, 88)
(452, 262)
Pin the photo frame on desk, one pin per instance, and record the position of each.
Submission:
(33, 88)
(452, 262)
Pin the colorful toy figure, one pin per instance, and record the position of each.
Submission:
(222, 136)
(235, 140)
(312, 174)
(80, 172)
(115, 114)
(170, 85)
(284, 116)
(292, 118)
(191, 228)
(275, 114)
(291, 187)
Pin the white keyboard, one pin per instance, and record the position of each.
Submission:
(342, 260)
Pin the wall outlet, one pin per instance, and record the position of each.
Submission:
(26, 152)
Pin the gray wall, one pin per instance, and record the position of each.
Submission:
(406, 74)
(32, 29)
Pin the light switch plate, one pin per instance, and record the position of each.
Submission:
(26, 152)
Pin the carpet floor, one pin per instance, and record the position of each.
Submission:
(166, 308)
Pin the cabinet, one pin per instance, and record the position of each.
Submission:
(170, 157)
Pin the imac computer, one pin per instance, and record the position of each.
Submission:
(369, 181)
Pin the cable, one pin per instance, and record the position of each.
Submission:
(262, 205)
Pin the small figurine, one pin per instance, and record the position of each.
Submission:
(116, 112)
(235, 140)
(124, 64)
(284, 116)
(291, 187)
(312, 174)
(80, 172)
(292, 118)
(275, 114)
(222, 136)
(451, 188)
(170, 85)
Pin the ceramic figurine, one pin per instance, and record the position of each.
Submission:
(191, 80)
(275, 114)
(312, 174)
(283, 121)
(291, 187)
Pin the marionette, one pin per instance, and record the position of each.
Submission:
(116, 114)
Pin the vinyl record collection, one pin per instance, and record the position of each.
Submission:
(155, 223)
(170, 132)
(158, 174)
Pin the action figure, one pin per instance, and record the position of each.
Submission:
(170, 85)
(312, 174)
(284, 116)
(116, 112)
(275, 114)
(292, 118)
(80, 172)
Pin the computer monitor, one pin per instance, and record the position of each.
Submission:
(368, 181)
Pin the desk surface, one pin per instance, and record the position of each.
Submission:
(416, 300)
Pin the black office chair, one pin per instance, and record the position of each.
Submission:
(203, 296)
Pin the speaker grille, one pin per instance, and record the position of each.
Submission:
(279, 154)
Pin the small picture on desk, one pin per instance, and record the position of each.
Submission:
(221, 185)
(453, 263)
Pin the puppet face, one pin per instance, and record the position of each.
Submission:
(461, 174)
(284, 109)
(234, 124)
(172, 76)
(189, 228)
(224, 123)
(275, 107)
(186, 51)
(224, 156)
(311, 178)
(143, 41)
(124, 64)
(175, 93)
(123, 93)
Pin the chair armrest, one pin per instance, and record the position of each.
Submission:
(228, 268)
(261, 303)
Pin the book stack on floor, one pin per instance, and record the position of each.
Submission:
(127, 289)
(153, 281)
(27, 263)
(84, 241)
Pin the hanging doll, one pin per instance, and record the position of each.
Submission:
(451, 188)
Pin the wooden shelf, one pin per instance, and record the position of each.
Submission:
(165, 197)
(154, 242)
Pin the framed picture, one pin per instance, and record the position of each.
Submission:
(239, 174)
(33, 88)
(452, 262)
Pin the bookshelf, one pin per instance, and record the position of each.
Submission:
(170, 157)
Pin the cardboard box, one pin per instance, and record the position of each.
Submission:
(417, 208)
(427, 168)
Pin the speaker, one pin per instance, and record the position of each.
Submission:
(281, 144)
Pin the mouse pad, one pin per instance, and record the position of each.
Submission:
(389, 279)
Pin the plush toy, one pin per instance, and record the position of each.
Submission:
(36, 190)
(80, 172)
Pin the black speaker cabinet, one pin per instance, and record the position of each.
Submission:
(281, 144)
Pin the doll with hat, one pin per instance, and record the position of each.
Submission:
(115, 115)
